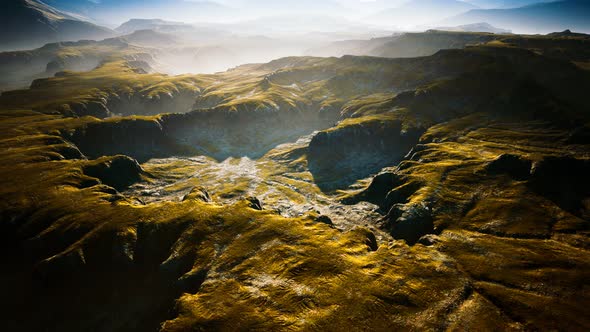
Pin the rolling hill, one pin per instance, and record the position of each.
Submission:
(359, 193)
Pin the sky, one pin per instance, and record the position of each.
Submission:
(308, 15)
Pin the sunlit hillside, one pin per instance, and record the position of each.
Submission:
(297, 166)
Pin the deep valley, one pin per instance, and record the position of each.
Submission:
(441, 186)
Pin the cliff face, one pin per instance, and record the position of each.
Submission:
(141, 139)
(477, 215)
(245, 132)
(20, 68)
(357, 148)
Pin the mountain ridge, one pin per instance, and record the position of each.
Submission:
(534, 18)
(33, 23)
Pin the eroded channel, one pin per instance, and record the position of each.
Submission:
(280, 180)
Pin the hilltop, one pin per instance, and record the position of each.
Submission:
(446, 191)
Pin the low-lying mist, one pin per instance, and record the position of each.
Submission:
(179, 53)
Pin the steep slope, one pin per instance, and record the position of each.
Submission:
(446, 192)
(537, 18)
(428, 43)
(31, 23)
(19, 68)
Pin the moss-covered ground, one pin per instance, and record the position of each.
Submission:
(477, 219)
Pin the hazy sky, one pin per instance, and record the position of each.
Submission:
(334, 15)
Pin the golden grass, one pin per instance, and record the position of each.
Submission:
(506, 257)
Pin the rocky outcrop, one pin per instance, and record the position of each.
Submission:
(565, 181)
(72, 62)
(141, 139)
(401, 194)
(409, 222)
(178, 101)
(219, 133)
(376, 192)
(355, 150)
(198, 194)
(96, 109)
(324, 220)
(68, 151)
(247, 131)
(429, 240)
(516, 166)
(125, 104)
(118, 172)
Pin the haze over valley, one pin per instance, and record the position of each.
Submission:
(325, 165)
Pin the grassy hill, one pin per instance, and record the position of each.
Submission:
(446, 191)
(432, 41)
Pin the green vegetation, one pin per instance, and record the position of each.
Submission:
(477, 219)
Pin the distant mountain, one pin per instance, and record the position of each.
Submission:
(475, 27)
(405, 45)
(150, 38)
(32, 23)
(409, 45)
(538, 18)
(503, 4)
(351, 47)
(116, 11)
(180, 30)
(151, 24)
(419, 12)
